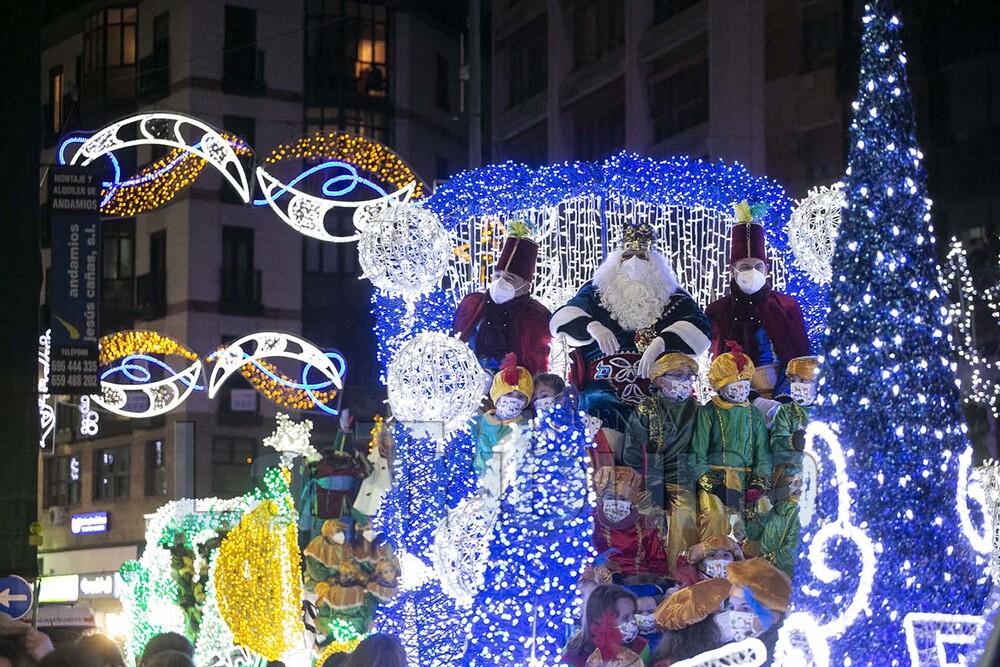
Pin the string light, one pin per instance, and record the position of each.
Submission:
(812, 230)
(888, 396)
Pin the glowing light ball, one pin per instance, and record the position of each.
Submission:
(461, 548)
(812, 230)
(404, 250)
(435, 384)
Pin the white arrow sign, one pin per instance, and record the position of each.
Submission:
(6, 598)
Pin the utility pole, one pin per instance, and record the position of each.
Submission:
(475, 89)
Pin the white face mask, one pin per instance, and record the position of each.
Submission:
(646, 623)
(508, 407)
(676, 390)
(736, 625)
(715, 568)
(803, 393)
(750, 280)
(616, 510)
(635, 268)
(502, 291)
(736, 392)
(629, 630)
(544, 403)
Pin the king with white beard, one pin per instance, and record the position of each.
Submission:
(630, 313)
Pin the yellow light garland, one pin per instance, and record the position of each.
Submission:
(289, 397)
(124, 343)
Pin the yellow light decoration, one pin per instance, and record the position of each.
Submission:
(336, 646)
(258, 580)
(159, 182)
(289, 397)
(363, 153)
(124, 343)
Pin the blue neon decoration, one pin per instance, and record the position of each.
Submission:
(135, 372)
(351, 179)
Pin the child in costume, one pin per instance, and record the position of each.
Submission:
(687, 618)
(759, 598)
(620, 526)
(605, 600)
(712, 556)
(731, 455)
(777, 531)
(511, 390)
(548, 387)
(658, 445)
(649, 593)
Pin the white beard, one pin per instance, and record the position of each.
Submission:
(635, 304)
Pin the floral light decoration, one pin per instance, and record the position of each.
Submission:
(812, 230)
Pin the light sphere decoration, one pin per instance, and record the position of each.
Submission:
(405, 251)
(461, 548)
(812, 230)
(435, 384)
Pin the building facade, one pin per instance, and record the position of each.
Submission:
(206, 269)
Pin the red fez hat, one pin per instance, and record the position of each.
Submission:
(747, 236)
(518, 257)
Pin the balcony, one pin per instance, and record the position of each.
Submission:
(241, 292)
(243, 72)
(154, 74)
(150, 297)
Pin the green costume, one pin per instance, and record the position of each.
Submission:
(488, 431)
(658, 443)
(787, 478)
(777, 531)
(730, 454)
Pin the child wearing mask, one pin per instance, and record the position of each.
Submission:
(548, 387)
(759, 598)
(713, 556)
(618, 524)
(511, 390)
(606, 600)
(649, 593)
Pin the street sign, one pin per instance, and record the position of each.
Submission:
(16, 596)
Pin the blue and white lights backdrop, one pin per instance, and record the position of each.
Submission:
(891, 578)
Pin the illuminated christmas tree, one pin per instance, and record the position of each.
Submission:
(891, 566)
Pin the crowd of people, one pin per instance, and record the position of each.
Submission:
(696, 523)
(22, 645)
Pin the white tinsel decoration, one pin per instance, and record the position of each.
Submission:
(292, 438)
(988, 476)
(461, 548)
(404, 250)
(435, 384)
(812, 230)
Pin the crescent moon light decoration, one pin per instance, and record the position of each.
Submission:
(248, 353)
(177, 131)
(385, 179)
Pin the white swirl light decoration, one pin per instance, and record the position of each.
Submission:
(160, 128)
(405, 251)
(812, 230)
(799, 626)
(162, 396)
(435, 384)
(304, 212)
(461, 548)
(261, 345)
(970, 487)
(989, 478)
(928, 635)
(46, 412)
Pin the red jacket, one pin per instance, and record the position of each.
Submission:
(520, 326)
(738, 316)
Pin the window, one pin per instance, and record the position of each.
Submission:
(320, 257)
(371, 123)
(598, 29)
(118, 251)
(56, 100)
(530, 147)
(443, 81)
(231, 462)
(154, 69)
(62, 481)
(820, 35)
(155, 477)
(527, 58)
(821, 152)
(599, 133)
(346, 49)
(109, 39)
(112, 469)
(679, 97)
(240, 280)
(242, 63)
(666, 9)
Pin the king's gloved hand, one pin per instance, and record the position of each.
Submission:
(606, 340)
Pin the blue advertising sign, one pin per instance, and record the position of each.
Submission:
(74, 205)
(91, 522)
(16, 596)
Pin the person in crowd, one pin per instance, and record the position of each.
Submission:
(166, 641)
(658, 446)
(548, 388)
(731, 454)
(67, 656)
(20, 643)
(511, 391)
(335, 660)
(635, 539)
(758, 600)
(711, 556)
(606, 599)
(101, 646)
(172, 659)
(649, 593)
(505, 318)
(688, 621)
(621, 321)
(379, 650)
(767, 325)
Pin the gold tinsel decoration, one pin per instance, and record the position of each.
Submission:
(258, 582)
